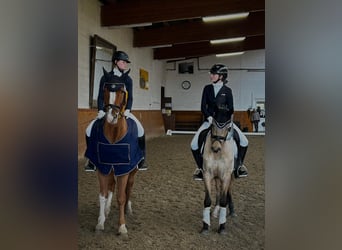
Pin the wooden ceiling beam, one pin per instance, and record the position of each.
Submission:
(205, 48)
(139, 11)
(193, 31)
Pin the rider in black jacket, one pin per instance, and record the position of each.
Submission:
(218, 95)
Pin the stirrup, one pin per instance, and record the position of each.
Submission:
(142, 166)
(89, 167)
(198, 175)
(241, 171)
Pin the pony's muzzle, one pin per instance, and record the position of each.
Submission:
(216, 147)
(215, 150)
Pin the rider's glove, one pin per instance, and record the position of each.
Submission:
(210, 119)
(100, 114)
(127, 111)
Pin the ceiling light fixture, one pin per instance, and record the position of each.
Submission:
(225, 17)
(159, 46)
(131, 25)
(228, 40)
(230, 54)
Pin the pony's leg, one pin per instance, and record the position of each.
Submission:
(207, 204)
(103, 180)
(121, 198)
(217, 202)
(101, 219)
(230, 203)
(111, 186)
(129, 188)
(223, 206)
(216, 211)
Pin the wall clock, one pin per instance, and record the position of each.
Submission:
(186, 85)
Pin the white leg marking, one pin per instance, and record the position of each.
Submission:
(122, 229)
(102, 218)
(108, 203)
(223, 215)
(206, 215)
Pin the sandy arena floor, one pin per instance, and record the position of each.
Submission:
(167, 204)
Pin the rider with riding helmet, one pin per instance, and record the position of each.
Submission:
(215, 95)
(119, 74)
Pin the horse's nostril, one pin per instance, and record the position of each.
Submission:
(215, 150)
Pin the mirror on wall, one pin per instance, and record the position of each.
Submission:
(101, 52)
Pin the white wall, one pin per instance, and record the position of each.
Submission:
(88, 25)
(247, 86)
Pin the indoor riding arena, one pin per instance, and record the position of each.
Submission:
(167, 203)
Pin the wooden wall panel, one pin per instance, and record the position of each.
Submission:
(192, 120)
(151, 120)
(243, 118)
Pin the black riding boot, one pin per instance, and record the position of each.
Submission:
(142, 144)
(198, 175)
(89, 167)
(239, 170)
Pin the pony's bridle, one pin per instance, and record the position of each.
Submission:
(112, 106)
(114, 88)
(220, 138)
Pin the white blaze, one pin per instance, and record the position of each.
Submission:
(112, 97)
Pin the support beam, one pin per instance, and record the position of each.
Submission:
(205, 48)
(197, 30)
(138, 11)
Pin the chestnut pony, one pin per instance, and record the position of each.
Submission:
(113, 155)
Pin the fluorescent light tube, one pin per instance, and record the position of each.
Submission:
(230, 54)
(228, 40)
(130, 25)
(225, 17)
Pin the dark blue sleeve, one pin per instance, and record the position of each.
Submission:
(100, 97)
(230, 102)
(129, 88)
(205, 102)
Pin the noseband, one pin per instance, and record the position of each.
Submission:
(112, 106)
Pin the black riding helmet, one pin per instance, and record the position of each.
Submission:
(120, 55)
(220, 69)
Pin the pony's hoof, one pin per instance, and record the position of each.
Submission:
(204, 231)
(122, 236)
(222, 229)
(233, 214)
(99, 227)
(122, 230)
